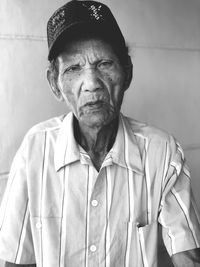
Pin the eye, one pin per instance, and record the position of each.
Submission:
(72, 69)
(105, 64)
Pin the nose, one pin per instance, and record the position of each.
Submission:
(90, 80)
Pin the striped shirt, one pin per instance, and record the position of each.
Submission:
(59, 211)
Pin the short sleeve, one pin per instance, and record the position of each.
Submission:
(16, 243)
(178, 212)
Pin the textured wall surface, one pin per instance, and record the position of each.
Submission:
(164, 40)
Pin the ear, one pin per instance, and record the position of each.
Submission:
(128, 73)
(54, 85)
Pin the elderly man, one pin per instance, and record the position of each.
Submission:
(90, 188)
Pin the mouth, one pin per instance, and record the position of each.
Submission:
(95, 104)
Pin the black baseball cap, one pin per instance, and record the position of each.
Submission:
(81, 16)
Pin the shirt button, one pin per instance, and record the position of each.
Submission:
(38, 225)
(94, 203)
(93, 248)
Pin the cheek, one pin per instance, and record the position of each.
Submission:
(67, 91)
(116, 83)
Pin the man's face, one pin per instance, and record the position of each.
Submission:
(91, 81)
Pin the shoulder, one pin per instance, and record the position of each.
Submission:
(38, 133)
(155, 138)
(49, 125)
(161, 148)
(147, 131)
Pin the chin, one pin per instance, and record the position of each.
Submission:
(96, 119)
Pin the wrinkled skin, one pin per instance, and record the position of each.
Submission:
(91, 81)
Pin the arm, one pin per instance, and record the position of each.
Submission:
(179, 215)
(16, 243)
(190, 258)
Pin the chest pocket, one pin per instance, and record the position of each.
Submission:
(145, 239)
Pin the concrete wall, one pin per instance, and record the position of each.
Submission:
(164, 40)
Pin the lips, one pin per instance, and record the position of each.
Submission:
(95, 104)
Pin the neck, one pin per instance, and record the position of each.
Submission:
(96, 141)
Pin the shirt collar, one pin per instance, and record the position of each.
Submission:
(66, 149)
(125, 151)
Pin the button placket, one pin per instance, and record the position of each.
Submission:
(96, 218)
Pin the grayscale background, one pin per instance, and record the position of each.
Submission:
(164, 41)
